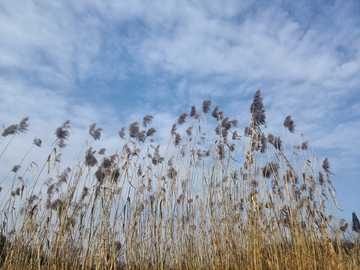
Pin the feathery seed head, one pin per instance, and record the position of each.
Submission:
(122, 133)
(23, 125)
(150, 132)
(134, 130)
(206, 106)
(90, 159)
(95, 132)
(177, 140)
(257, 112)
(193, 113)
(304, 146)
(15, 168)
(62, 134)
(173, 129)
(37, 142)
(289, 123)
(326, 165)
(147, 120)
(355, 223)
(189, 130)
(13, 129)
(182, 118)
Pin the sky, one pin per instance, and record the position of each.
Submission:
(113, 62)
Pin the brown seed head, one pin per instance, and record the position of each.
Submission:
(95, 132)
(304, 146)
(182, 118)
(134, 130)
(23, 125)
(147, 120)
(150, 132)
(206, 106)
(122, 133)
(13, 129)
(193, 113)
(37, 142)
(15, 168)
(289, 123)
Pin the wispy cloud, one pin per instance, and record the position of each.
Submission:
(115, 62)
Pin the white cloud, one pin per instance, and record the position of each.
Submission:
(112, 63)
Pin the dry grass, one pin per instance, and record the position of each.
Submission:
(209, 200)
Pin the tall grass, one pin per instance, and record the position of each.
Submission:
(210, 199)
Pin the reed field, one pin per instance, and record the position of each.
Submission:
(216, 196)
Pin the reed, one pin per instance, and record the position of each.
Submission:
(209, 199)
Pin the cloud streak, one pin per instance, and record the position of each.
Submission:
(115, 62)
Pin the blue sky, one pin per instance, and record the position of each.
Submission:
(113, 62)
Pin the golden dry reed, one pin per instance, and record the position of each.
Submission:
(209, 199)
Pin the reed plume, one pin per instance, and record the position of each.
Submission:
(252, 204)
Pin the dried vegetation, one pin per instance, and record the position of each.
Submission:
(209, 199)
